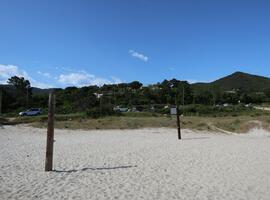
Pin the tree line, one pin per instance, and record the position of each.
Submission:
(96, 100)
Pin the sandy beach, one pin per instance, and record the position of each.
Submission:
(134, 164)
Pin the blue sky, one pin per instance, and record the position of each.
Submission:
(58, 43)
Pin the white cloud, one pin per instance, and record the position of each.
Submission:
(77, 78)
(138, 55)
(198, 81)
(7, 71)
(46, 74)
(116, 80)
(37, 84)
(192, 81)
(82, 78)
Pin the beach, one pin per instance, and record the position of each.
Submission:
(146, 163)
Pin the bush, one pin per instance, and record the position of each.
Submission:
(196, 110)
(165, 111)
(216, 111)
(140, 114)
(3, 120)
(105, 110)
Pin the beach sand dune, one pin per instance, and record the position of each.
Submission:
(134, 164)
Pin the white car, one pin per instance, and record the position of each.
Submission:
(31, 112)
(120, 109)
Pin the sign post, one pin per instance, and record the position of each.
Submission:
(178, 124)
(50, 133)
(175, 111)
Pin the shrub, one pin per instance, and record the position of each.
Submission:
(105, 110)
(215, 111)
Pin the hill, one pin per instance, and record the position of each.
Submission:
(237, 80)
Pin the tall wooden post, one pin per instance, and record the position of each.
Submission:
(50, 133)
(178, 123)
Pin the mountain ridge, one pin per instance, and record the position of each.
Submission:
(236, 80)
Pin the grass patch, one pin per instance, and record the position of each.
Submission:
(3, 120)
(141, 114)
(240, 123)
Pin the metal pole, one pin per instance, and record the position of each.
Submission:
(178, 124)
(50, 133)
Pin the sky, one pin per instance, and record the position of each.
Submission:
(60, 43)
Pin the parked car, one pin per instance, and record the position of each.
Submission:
(120, 109)
(31, 112)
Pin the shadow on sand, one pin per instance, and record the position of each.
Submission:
(95, 168)
(197, 138)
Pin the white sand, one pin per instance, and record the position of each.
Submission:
(134, 164)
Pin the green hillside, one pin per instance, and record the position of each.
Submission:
(237, 80)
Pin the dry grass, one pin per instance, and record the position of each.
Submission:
(239, 124)
(112, 123)
(232, 124)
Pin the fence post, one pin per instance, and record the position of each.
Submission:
(50, 133)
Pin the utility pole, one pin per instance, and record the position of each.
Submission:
(50, 133)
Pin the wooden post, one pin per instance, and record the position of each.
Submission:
(178, 123)
(50, 133)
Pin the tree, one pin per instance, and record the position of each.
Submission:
(230, 97)
(135, 85)
(267, 92)
(204, 97)
(23, 87)
(20, 83)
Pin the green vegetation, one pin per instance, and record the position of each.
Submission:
(238, 124)
(237, 80)
(219, 111)
(221, 104)
(238, 87)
